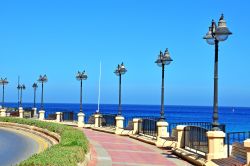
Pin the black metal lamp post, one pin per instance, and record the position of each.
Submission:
(22, 87)
(18, 89)
(162, 60)
(119, 72)
(34, 86)
(42, 79)
(81, 76)
(213, 37)
(3, 82)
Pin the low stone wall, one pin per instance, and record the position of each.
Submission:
(51, 137)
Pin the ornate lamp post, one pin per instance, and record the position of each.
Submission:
(34, 86)
(213, 37)
(42, 79)
(3, 82)
(81, 76)
(119, 71)
(22, 87)
(162, 60)
(18, 89)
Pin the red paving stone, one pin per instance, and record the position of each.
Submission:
(123, 151)
(93, 158)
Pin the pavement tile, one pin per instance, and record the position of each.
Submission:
(123, 151)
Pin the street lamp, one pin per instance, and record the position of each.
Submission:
(22, 87)
(42, 79)
(3, 82)
(213, 37)
(162, 60)
(34, 86)
(18, 89)
(119, 72)
(81, 76)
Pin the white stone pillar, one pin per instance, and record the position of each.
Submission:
(3, 112)
(162, 132)
(215, 145)
(136, 125)
(119, 122)
(41, 115)
(247, 146)
(98, 120)
(180, 136)
(20, 109)
(162, 128)
(58, 116)
(81, 119)
(35, 112)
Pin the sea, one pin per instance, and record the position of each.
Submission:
(236, 119)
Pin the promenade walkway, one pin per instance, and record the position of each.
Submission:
(110, 149)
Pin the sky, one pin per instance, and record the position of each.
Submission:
(59, 37)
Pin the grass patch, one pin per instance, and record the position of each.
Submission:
(70, 151)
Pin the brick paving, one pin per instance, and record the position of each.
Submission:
(110, 149)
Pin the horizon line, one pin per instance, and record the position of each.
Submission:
(187, 105)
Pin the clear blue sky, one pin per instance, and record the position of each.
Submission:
(58, 38)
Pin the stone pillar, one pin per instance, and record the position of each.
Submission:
(98, 120)
(136, 125)
(162, 131)
(20, 109)
(119, 124)
(215, 145)
(35, 112)
(58, 116)
(80, 119)
(162, 128)
(3, 112)
(180, 136)
(247, 146)
(119, 121)
(41, 115)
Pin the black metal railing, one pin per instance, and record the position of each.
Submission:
(128, 123)
(68, 116)
(236, 137)
(51, 117)
(108, 120)
(89, 119)
(196, 139)
(147, 126)
(205, 125)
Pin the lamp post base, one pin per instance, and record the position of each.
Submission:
(80, 119)
(3, 112)
(41, 115)
(20, 109)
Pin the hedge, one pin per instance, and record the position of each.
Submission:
(70, 151)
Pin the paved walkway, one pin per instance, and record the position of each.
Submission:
(109, 149)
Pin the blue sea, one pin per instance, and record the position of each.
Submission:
(235, 118)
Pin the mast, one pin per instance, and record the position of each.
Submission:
(99, 93)
(18, 99)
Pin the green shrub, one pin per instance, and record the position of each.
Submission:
(70, 151)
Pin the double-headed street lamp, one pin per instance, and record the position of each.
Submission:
(119, 72)
(34, 86)
(213, 37)
(42, 79)
(3, 82)
(81, 76)
(162, 60)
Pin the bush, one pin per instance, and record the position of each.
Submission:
(70, 151)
